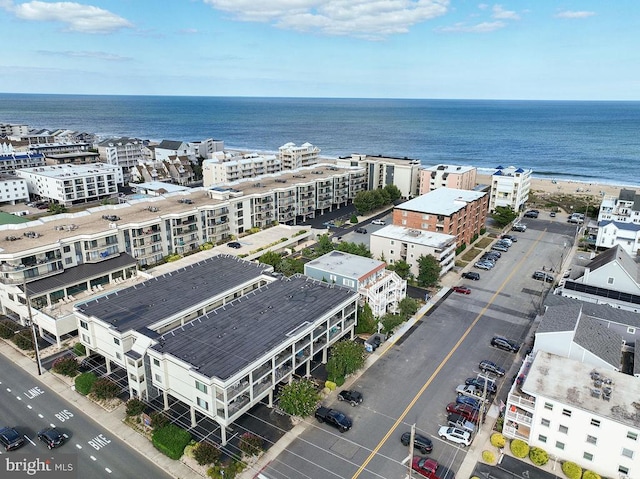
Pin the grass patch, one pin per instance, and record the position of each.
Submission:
(470, 254)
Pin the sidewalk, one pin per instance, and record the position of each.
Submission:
(111, 421)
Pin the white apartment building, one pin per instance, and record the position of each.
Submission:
(207, 148)
(10, 160)
(619, 222)
(238, 167)
(72, 184)
(124, 152)
(168, 148)
(293, 157)
(13, 189)
(13, 130)
(380, 288)
(447, 176)
(396, 243)
(383, 171)
(58, 147)
(188, 349)
(510, 187)
(577, 412)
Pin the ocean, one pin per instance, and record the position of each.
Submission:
(563, 140)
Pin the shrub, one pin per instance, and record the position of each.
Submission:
(158, 420)
(226, 471)
(66, 365)
(354, 219)
(299, 398)
(84, 382)
(571, 470)
(498, 440)
(488, 457)
(134, 407)
(79, 349)
(171, 440)
(105, 388)
(330, 385)
(519, 448)
(539, 456)
(23, 339)
(250, 444)
(8, 328)
(590, 475)
(206, 453)
(340, 381)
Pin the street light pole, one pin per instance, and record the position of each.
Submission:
(33, 328)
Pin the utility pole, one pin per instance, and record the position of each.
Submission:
(411, 439)
(33, 327)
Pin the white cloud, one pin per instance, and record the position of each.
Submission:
(86, 54)
(502, 14)
(188, 31)
(574, 14)
(372, 19)
(77, 17)
(484, 27)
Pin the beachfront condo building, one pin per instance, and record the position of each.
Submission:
(13, 189)
(619, 222)
(400, 243)
(292, 157)
(383, 171)
(167, 148)
(225, 168)
(447, 176)
(12, 160)
(73, 158)
(459, 213)
(13, 130)
(510, 188)
(124, 152)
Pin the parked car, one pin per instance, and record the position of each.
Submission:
(329, 224)
(461, 289)
(505, 241)
(520, 227)
(456, 435)
(420, 442)
(361, 230)
(469, 401)
(552, 214)
(334, 418)
(542, 276)
(497, 254)
(479, 383)
(469, 390)
(234, 245)
(491, 367)
(531, 214)
(430, 468)
(471, 275)
(513, 238)
(352, 397)
(51, 437)
(505, 344)
(456, 420)
(379, 222)
(11, 439)
(464, 410)
(483, 265)
(499, 247)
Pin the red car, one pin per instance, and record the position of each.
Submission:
(462, 289)
(464, 410)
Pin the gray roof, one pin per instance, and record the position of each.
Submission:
(595, 337)
(615, 253)
(79, 274)
(169, 145)
(143, 305)
(627, 195)
(603, 312)
(345, 264)
(113, 141)
(559, 318)
(620, 225)
(228, 339)
(441, 201)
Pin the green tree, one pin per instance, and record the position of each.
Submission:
(391, 322)
(428, 271)
(291, 266)
(65, 365)
(105, 388)
(206, 453)
(354, 219)
(324, 245)
(346, 358)
(56, 208)
(408, 307)
(379, 199)
(402, 268)
(250, 444)
(134, 407)
(366, 321)
(394, 192)
(503, 215)
(364, 202)
(272, 258)
(299, 398)
(359, 249)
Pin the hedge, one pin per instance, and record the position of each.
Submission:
(520, 448)
(84, 383)
(571, 470)
(206, 453)
(171, 440)
(66, 365)
(24, 339)
(105, 388)
(498, 440)
(79, 349)
(134, 407)
(8, 328)
(539, 456)
(590, 475)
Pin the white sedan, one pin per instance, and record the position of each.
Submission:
(456, 435)
(379, 222)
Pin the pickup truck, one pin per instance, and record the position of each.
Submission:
(430, 468)
(334, 418)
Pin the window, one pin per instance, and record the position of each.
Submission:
(404, 222)
(542, 438)
(623, 470)
(157, 378)
(595, 422)
(86, 339)
(592, 440)
(332, 278)
(632, 435)
(545, 422)
(588, 456)
(156, 362)
(348, 282)
(118, 355)
(563, 429)
(201, 387)
(391, 242)
(84, 325)
(566, 412)
(203, 404)
(631, 330)
(548, 406)
(627, 453)
(560, 445)
(610, 280)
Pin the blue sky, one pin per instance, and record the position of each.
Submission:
(525, 49)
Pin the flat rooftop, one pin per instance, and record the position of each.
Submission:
(408, 235)
(441, 201)
(570, 382)
(146, 304)
(71, 170)
(450, 168)
(345, 264)
(228, 339)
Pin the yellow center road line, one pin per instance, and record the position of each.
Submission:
(442, 363)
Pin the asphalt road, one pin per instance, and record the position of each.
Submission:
(417, 377)
(28, 406)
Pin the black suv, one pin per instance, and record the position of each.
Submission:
(505, 344)
(487, 366)
(234, 245)
(531, 214)
(542, 276)
(479, 383)
(10, 439)
(421, 443)
(352, 397)
(471, 275)
(51, 437)
(361, 230)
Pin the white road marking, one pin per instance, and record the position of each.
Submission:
(108, 470)
(18, 398)
(27, 438)
(78, 446)
(93, 458)
(29, 406)
(406, 459)
(40, 416)
(8, 389)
